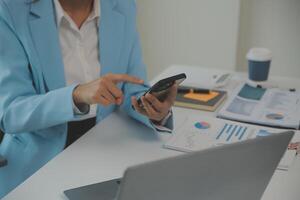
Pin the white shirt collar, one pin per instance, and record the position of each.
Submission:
(60, 13)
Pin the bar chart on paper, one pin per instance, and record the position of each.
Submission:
(232, 133)
(198, 133)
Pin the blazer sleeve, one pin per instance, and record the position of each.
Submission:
(137, 68)
(22, 109)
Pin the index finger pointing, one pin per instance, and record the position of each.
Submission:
(117, 78)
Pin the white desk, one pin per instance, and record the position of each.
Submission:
(113, 145)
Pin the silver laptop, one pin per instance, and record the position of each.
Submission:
(230, 172)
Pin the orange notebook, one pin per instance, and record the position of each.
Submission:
(200, 101)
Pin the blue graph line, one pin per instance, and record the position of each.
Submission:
(231, 133)
(221, 132)
(228, 130)
(238, 132)
(241, 136)
(228, 138)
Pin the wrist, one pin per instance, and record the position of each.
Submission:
(77, 96)
(157, 122)
(166, 118)
(163, 120)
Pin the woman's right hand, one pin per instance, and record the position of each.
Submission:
(104, 90)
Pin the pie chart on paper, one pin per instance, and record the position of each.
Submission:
(202, 125)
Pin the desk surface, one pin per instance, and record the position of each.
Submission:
(116, 143)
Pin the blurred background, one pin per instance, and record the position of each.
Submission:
(218, 34)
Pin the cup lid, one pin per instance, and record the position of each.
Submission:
(259, 54)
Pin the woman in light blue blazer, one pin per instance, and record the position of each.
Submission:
(35, 102)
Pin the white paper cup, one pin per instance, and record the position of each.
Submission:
(259, 62)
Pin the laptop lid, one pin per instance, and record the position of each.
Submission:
(236, 171)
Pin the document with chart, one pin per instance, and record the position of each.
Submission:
(271, 107)
(198, 133)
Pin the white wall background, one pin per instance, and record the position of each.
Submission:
(218, 33)
(274, 24)
(194, 32)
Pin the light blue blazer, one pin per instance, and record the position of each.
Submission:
(35, 104)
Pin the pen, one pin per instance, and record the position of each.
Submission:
(199, 91)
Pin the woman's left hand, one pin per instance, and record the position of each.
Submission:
(154, 109)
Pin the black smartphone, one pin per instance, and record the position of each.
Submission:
(161, 89)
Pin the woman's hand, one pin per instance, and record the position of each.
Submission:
(104, 90)
(153, 108)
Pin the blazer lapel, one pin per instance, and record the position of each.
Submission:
(45, 37)
(111, 36)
